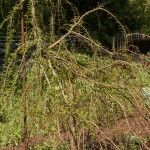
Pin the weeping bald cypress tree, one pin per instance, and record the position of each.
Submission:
(73, 100)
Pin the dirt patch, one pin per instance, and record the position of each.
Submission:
(137, 125)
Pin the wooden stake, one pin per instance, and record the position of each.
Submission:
(24, 82)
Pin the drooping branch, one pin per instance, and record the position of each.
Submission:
(12, 14)
(80, 20)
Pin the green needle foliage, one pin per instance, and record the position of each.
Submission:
(74, 100)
